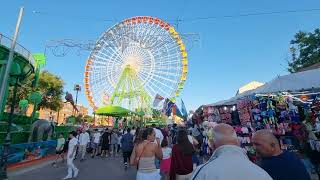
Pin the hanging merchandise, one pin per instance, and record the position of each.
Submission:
(225, 114)
(243, 107)
(293, 110)
(271, 112)
(213, 114)
(282, 109)
(256, 112)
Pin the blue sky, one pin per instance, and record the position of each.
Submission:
(231, 51)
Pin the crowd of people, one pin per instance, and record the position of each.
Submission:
(177, 153)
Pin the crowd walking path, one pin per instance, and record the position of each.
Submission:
(91, 169)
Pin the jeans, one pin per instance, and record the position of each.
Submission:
(71, 167)
(126, 156)
(157, 163)
(82, 150)
(114, 148)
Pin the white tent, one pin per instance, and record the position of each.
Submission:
(305, 80)
(293, 82)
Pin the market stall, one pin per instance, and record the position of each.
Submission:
(288, 105)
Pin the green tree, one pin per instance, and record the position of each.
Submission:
(305, 50)
(50, 86)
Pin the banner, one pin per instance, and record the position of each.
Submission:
(184, 110)
(167, 107)
(176, 111)
(157, 100)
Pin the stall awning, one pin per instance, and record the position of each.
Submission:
(305, 80)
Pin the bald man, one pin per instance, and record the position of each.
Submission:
(280, 165)
(229, 161)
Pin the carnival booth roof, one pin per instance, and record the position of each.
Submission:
(113, 111)
(305, 80)
(250, 86)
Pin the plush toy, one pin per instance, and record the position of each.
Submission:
(256, 114)
(281, 103)
(263, 105)
(271, 115)
(292, 107)
(264, 117)
(283, 116)
(271, 112)
(293, 110)
(269, 104)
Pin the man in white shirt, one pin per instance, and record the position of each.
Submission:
(228, 161)
(95, 144)
(84, 139)
(159, 136)
(133, 131)
(72, 147)
(158, 132)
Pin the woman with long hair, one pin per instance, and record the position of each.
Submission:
(144, 154)
(181, 161)
(137, 136)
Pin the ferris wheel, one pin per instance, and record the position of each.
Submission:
(137, 58)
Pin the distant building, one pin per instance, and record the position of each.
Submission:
(59, 116)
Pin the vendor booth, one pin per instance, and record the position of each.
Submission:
(288, 105)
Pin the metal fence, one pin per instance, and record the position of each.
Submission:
(5, 41)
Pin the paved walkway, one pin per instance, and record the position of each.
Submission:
(90, 169)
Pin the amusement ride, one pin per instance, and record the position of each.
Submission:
(133, 62)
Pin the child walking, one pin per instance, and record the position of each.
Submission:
(166, 160)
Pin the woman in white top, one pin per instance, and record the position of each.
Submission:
(144, 154)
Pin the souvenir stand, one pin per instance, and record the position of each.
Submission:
(288, 105)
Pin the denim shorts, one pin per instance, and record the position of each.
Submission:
(95, 145)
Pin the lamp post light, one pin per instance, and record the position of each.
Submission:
(77, 88)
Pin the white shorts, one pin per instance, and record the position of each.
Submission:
(147, 176)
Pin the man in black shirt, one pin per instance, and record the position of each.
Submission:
(280, 165)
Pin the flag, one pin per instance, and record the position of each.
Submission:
(157, 100)
(176, 111)
(184, 110)
(167, 107)
(165, 104)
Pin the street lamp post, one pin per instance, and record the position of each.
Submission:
(3, 89)
(4, 80)
(77, 88)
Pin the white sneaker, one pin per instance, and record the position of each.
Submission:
(76, 172)
(67, 177)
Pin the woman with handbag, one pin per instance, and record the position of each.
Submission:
(144, 154)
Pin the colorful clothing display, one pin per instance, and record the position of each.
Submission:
(294, 120)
